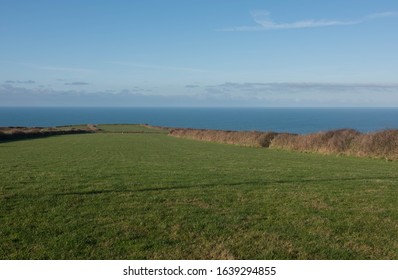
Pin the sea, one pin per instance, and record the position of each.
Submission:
(294, 120)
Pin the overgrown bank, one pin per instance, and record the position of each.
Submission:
(16, 133)
(242, 138)
(381, 144)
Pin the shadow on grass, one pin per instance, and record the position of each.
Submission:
(3, 141)
(255, 183)
(40, 135)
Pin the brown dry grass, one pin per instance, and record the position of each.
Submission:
(242, 138)
(382, 144)
(15, 133)
(378, 144)
(334, 141)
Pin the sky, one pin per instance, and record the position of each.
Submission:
(207, 53)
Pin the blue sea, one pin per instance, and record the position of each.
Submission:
(296, 120)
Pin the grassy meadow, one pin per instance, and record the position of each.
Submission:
(147, 195)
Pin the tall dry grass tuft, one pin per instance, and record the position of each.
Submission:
(334, 141)
(382, 144)
(242, 138)
(15, 133)
(93, 127)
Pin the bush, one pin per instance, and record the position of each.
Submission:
(15, 133)
(334, 141)
(382, 144)
(242, 138)
(379, 144)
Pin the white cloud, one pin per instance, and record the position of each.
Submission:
(264, 22)
(292, 88)
(76, 84)
(224, 95)
(20, 82)
(309, 94)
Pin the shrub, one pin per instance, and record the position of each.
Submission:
(382, 144)
(15, 133)
(334, 141)
(242, 138)
(378, 144)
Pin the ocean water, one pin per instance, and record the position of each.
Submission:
(296, 120)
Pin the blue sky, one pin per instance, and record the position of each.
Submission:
(199, 53)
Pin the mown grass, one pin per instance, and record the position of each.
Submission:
(131, 128)
(151, 196)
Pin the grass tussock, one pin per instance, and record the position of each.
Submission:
(334, 141)
(16, 133)
(241, 138)
(379, 144)
(382, 144)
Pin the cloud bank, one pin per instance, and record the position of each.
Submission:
(222, 95)
(20, 82)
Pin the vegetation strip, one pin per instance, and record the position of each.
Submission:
(381, 144)
(16, 133)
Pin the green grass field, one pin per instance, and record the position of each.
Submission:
(130, 128)
(152, 196)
